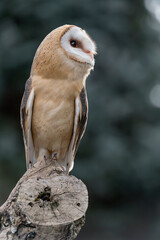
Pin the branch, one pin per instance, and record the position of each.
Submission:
(45, 204)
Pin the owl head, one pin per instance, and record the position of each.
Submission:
(66, 52)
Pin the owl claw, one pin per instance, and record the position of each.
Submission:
(54, 156)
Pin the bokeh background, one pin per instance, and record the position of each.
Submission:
(119, 156)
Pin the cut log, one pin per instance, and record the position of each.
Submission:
(45, 204)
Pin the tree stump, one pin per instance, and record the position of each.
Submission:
(45, 204)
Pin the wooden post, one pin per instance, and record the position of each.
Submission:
(45, 204)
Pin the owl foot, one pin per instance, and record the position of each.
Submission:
(54, 158)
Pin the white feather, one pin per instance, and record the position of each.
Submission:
(77, 33)
(69, 157)
(30, 154)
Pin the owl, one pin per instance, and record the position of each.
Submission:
(54, 107)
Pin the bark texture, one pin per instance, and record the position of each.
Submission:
(45, 204)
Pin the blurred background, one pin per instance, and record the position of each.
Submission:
(119, 156)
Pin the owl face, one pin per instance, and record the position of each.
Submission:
(77, 44)
(66, 52)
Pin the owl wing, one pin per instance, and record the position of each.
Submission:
(80, 122)
(26, 120)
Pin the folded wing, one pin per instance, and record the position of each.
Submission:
(80, 122)
(26, 121)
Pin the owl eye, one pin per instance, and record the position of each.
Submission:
(73, 43)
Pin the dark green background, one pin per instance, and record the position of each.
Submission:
(119, 156)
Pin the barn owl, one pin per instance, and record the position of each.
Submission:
(54, 107)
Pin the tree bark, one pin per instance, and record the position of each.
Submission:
(45, 204)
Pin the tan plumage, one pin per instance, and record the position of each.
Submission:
(54, 105)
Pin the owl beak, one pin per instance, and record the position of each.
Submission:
(90, 54)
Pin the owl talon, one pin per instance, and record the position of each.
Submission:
(54, 156)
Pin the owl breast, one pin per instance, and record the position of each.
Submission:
(52, 122)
